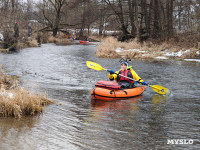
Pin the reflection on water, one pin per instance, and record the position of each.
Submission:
(13, 130)
(101, 108)
(144, 122)
(158, 100)
(19, 125)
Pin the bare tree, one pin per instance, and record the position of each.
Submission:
(117, 7)
(51, 12)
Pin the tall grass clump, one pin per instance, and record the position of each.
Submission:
(17, 101)
(107, 49)
(32, 42)
(5, 80)
(110, 44)
(20, 102)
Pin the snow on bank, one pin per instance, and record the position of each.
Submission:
(197, 60)
(176, 54)
(161, 57)
(165, 53)
(118, 50)
(7, 94)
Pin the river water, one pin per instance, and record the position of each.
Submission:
(76, 122)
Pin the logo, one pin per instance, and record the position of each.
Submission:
(180, 141)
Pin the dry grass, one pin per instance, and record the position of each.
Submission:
(5, 80)
(152, 48)
(59, 39)
(96, 38)
(17, 101)
(107, 49)
(51, 39)
(32, 42)
(191, 55)
(62, 41)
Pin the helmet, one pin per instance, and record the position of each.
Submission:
(124, 62)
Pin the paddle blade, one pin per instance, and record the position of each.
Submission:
(94, 66)
(159, 89)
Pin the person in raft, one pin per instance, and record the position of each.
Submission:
(85, 38)
(125, 71)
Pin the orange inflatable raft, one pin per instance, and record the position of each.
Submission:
(107, 90)
(84, 42)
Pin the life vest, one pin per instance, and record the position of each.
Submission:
(126, 73)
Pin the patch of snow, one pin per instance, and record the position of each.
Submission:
(165, 51)
(136, 50)
(119, 49)
(179, 54)
(7, 94)
(198, 53)
(161, 57)
(197, 60)
(145, 54)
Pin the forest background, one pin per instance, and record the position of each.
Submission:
(173, 21)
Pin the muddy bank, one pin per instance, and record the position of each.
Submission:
(17, 101)
(111, 48)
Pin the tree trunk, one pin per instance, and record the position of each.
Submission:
(101, 18)
(156, 29)
(136, 18)
(145, 16)
(55, 31)
(101, 25)
(13, 5)
(171, 18)
(119, 14)
(121, 18)
(131, 16)
(149, 22)
(169, 11)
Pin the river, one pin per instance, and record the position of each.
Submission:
(76, 122)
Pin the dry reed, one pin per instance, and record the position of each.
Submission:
(107, 49)
(32, 42)
(59, 40)
(151, 49)
(17, 101)
(97, 38)
(5, 80)
(62, 41)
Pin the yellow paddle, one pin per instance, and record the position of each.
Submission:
(157, 88)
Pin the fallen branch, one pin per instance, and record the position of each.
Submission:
(8, 49)
(12, 46)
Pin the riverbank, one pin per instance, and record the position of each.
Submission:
(111, 48)
(35, 40)
(17, 101)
